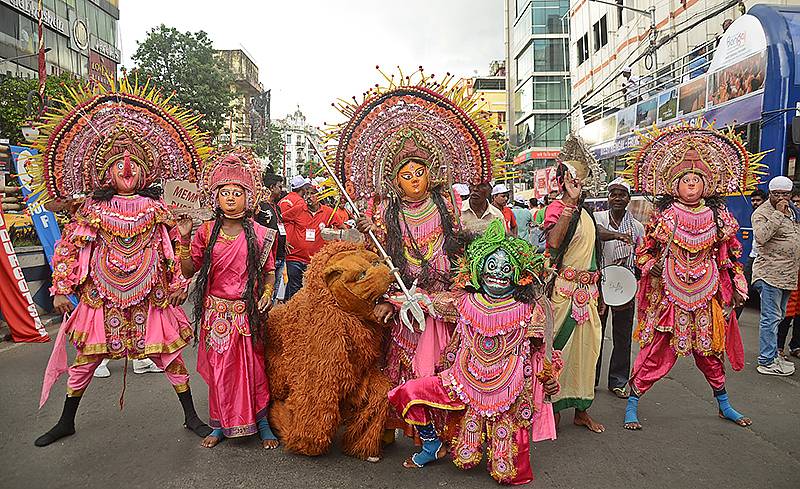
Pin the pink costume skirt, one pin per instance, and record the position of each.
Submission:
(233, 368)
(131, 333)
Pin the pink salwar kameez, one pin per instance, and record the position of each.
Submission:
(228, 359)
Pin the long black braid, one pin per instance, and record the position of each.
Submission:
(254, 287)
(395, 245)
(201, 283)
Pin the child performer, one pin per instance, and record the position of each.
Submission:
(498, 376)
(234, 258)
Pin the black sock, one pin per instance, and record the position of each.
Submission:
(191, 420)
(65, 425)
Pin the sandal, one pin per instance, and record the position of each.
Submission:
(619, 392)
(795, 352)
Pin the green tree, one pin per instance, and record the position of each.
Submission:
(14, 106)
(184, 63)
(270, 145)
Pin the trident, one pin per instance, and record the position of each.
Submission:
(411, 307)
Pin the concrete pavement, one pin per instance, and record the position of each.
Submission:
(683, 444)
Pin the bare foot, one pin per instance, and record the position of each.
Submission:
(557, 418)
(210, 441)
(635, 425)
(270, 444)
(409, 462)
(582, 418)
(743, 421)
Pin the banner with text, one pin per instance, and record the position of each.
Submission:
(16, 301)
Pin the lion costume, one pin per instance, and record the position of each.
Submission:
(323, 356)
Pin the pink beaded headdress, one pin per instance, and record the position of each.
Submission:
(440, 123)
(96, 126)
(230, 165)
(724, 162)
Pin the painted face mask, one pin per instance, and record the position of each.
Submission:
(126, 175)
(413, 180)
(231, 199)
(497, 277)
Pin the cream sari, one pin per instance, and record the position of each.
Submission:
(578, 331)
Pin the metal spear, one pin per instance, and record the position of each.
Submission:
(412, 305)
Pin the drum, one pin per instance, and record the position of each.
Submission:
(618, 285)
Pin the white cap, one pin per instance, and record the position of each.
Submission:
(627, 69)
(461, 189)
(521, 200)
(297, 182)
(781, 183)
(620, 182)
(498, 189)
(317, 181)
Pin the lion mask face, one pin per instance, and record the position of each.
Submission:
(357, 278)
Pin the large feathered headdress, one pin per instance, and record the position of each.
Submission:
(95, 126)
(440, 123)
(724, 162)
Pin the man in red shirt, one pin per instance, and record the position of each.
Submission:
(500, 200)
(304, 218)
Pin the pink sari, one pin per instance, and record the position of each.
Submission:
(227, 359)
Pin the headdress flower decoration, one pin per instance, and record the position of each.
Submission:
(94, 126)
(445, 122)
(724, 162)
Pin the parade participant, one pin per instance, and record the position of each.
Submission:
(524, 219)
(269, 216)
(398, 155)
(234, 258)
(617, 218)
(477, 212)
(500, 202)
(572, 240)
(776, 229)
(691, 276)
(305, 217)
(117, 254)
(497, 375)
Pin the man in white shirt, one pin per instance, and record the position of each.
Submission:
(476, 211)
(617, 252)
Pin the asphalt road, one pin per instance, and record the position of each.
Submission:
(683, 445)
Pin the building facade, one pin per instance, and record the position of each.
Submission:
(538, 78)
(299, 156)
(80, 35)
(605, 39)
(627, 76)
(492, 89)
(249, 116)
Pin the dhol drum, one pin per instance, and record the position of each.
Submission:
(618, 285)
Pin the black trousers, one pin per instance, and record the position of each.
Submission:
(622, 330)
(783, 332)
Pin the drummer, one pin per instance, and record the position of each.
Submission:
(617, 252)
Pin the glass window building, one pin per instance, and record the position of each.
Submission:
(539, 63)
(81, 36)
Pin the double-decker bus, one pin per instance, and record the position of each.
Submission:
(749, 78)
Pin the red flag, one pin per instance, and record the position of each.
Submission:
(16, 301)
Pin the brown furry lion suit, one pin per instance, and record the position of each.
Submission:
(323, 355)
